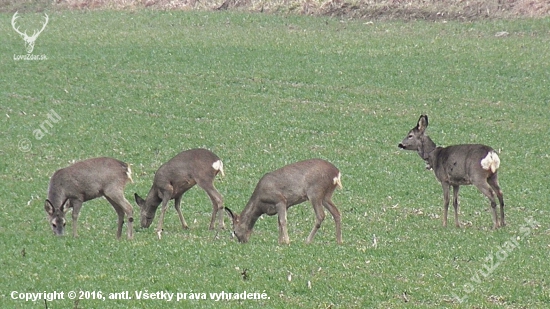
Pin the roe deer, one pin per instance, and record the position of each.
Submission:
(313, 180)
(86, 180)
(458, 165)
(174, 178)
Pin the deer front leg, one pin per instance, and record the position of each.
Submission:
(455, 204)
(445, 202)
(165, 200)
(76, 205)
(283, 233)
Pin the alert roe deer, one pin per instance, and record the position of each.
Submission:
(458, 165)
(313, 180)
(174, 178)
(86, 180)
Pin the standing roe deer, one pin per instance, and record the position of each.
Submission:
(313, 180)
(86, 180)
(458, 165)
(174, 178)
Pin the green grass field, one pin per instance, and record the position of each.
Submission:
(262, 91)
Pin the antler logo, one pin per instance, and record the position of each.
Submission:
(29, 40)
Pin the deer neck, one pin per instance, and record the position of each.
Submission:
(152, 201)
(427, 147)
(249, 216)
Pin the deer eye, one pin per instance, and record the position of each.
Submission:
(54, 225)
(410, 136)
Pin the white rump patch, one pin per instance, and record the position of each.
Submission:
(337, 181)
(129, 174)
(491, 162)
(218, 166)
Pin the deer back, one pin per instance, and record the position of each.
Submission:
(86, 180)
(459, 164)
(183, 170)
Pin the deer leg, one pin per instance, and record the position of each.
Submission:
(177, 205)
(120, 213)
(319, 218)
(493, 182)
(122, 207)
(455, 204)
(329, 205)
(217, 203)
(283, 233)
(486, 189)
(165, 199)
(446, 188)
(76, 206)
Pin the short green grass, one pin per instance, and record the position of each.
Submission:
(263, 91)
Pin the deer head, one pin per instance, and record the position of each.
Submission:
(56, 216)
(147, 214)
(29, 40)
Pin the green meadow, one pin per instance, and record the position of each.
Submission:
(262, 91)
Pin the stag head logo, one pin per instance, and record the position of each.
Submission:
(29, 40)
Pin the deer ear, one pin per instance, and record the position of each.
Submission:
(422, 123)
(48, 207)
(139, 200)
(229, 212)
(66, 205)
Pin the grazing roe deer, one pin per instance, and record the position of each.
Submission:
(458, 165)
(174, 178)
(313, 180)
(86, 180)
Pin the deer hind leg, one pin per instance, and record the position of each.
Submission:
(319, 217)
(329, 205)
(446, 198)
(455, 204)
(217, 203)
(493, 182)
(122, 207)
(486, 189)
(177, 206)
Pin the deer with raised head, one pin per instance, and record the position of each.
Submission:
(29, 40)
(314, 180)
(458, 165)
(86, 180)
(174, 178)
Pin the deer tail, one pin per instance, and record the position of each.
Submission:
(129, 173)
(491, 162)
(337, 180)
(218, 166)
